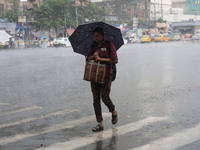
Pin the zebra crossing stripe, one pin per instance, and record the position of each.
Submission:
(91, 138)
(1, 104)
(53, 128)
(20, 110)
(177, 140)
(37, 118)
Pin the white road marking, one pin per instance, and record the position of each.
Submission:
(66, 125)
(37, 118)
(178, 140)
(20, 110)
(4, 104)
(91, 138)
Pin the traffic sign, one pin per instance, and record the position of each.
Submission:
(21, 18)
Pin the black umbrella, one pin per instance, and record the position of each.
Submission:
(82, 37)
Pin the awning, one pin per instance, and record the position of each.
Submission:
(147, 24)
(18, 26)
(4, 36)
(38, 34)
(10, 27)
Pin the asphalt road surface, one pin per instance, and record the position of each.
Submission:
(46, 105)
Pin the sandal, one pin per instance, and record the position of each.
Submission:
(114, 119)
(98, 128)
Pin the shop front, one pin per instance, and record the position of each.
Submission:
(162, 27)
(186, 27)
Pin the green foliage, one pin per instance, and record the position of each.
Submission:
(92, 12)
(1, 46)
(13, 13)
(160, 20)
(52, 14)
(56, 13)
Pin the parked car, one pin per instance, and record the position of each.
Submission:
(125, 41)
(61, 42)
(135, 39)
(4, 45)
(165, 38)
(153, 38)
(187, 36)
(168, 38)
(171, 37)
(145, 39)
(196, 36)
(159, 38)
(176, 37)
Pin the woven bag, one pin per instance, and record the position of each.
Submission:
(94, 72)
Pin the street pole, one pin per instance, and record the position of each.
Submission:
(162, 8)
(76, 15)
(22, 23)
(65, 34)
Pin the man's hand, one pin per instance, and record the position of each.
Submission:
(97, 58)
(96, 53)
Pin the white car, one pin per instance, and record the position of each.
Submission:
(135, 39)
(125, 41)
(61, 42)
(196, 36)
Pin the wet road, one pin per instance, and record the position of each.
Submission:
(45, 104)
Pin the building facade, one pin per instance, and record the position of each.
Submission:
(158, 8)
(193, 7)
(5, 4)
(125, 10)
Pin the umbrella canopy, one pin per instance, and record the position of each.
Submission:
(82, 37)
(44, 37)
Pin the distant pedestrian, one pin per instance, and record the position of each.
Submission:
(100, 53)
(46, 43)
(43, 43)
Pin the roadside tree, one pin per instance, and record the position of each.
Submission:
(54, 14)
(13, 12)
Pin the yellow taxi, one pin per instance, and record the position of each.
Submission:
(159, 38)
(168, 38)
(145, 39)
(187, 36)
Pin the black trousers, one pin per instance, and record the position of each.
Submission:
(102, 91)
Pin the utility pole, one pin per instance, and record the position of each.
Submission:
(161, 9)
(23, 17)
(22, 21)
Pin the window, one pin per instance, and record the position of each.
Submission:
(10, 6)
(1, 8)
(24, 7)
(144, 36)
(35, 5)
(128, 13)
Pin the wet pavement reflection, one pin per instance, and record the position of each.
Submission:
(44, 100)
(111, 143)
